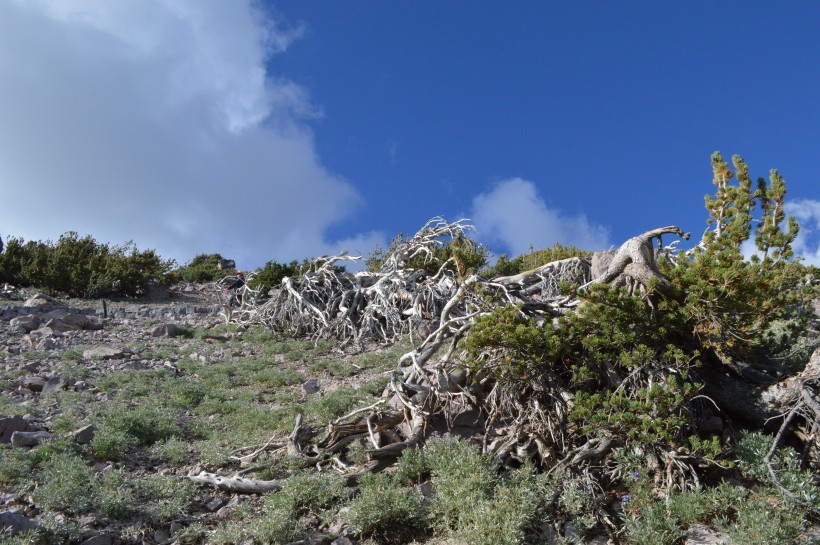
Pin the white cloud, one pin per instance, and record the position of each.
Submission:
(807, 214)
(515, 216)
(157, 121)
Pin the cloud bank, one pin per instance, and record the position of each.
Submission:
(807, 244)
(514, 216)
(158, 121)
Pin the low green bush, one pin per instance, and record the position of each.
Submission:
(473, 500)
(203, 268)
(306, 493)
(385, 511)
(82, 267)
(65, 481)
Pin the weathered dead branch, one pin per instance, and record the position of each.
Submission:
(429, 390)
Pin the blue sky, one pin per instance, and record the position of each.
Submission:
(280, 130)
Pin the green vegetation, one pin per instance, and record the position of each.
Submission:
(756, 514)
(621, 373)
(203, 268)
(271, 275)
(81, 267)
(505, 266)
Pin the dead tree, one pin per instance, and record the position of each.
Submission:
(430, 391)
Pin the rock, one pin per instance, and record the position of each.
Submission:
(167, 330)
(40, 300)
(35, 384)
(21, 439)
(341, 541)
(11, 424)
(135, 366)
(214, 504)
(94, 324)
(161, 536)
(176, 527)
(600, 261)
(46, 344)
(16, 522)
(84, 435)
(57, 325)
(571, 534)
(99, 539)
(45, 332)
(106, 353)
(55, 384)
(25, 324)
(703, 535)
(339, 522)
(311, 386)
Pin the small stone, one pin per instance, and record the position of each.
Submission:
(176, 527)
(21, 439)
(700, 534)
(135, 366)
(40, 300)
(105, 353)
(99, 539)
(339, 522)
(167, 330)
(161, 536)
(47, 344)
(45, 332)
(11, 424)
(84, 435)
(55, 384)
(571, 534)
(25, 324)
(16, 523)
(76, 321)
(311, 386)
(35, 384)
(214, 504)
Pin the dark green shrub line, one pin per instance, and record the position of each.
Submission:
(81, 267)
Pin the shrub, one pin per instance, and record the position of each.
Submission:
(751, 452)
(144, 424)
(113, 497)
(271, 275)
(203, 268)
(65, 482)
(729, 302)
(110, 444)
(306, 493)
(81, 267)
(557, 252)
(165, 498)
(276, 527)
(172, 450)
(473, 501)
(385, 511)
